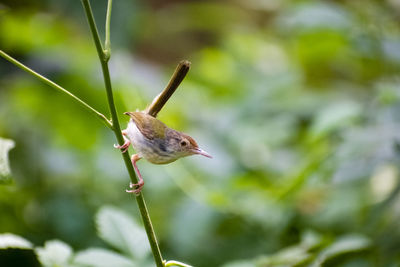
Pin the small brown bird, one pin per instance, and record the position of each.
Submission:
(155, 142)
(151, 138)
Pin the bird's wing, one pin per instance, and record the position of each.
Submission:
(149, 126)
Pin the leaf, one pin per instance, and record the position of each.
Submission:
(98, 257)
(239, 264)
(345, 244)
(333, 117)
(5, 146)
(8, 240)
(294, 255)
(311, 240)
(16, 251)
(316, 16)
(290, 256)
(122, 232)
(54, 253)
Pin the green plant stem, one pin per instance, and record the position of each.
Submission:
(58, 87)
(117, 131)
(107, 44)
(176, 263)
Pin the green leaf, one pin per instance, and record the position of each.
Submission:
(345, 244)
(239, 264)
(311, 240)
(122, 232)
(98, 257)
(55, 253)
(334, 117)
(8, 240)
(315, 16)
(16, 251)
(5, 172)
(290, 256)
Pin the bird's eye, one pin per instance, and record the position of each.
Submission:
(184, 143)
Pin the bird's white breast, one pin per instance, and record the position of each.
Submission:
(137, 139)
(146, 148)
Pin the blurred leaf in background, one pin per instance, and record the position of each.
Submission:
(5, 172)
(297, 101)
(114, 227)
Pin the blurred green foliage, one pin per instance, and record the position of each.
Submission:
(298, 102)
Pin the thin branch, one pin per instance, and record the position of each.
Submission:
(93, 29)
(107, 44)
(57, 87)
(176, 263)
(117, 131)
(176, 79)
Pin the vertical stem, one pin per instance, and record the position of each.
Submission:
(117, 131)
(107, 44)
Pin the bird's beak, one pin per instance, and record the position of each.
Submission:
(200, 151)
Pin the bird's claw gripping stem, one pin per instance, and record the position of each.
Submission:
(125, 145)
(134, 188)
(138, 187)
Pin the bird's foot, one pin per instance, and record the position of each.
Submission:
(124, 147)
(135, 188)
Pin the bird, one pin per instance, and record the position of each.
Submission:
(151, 138)
(155, 142)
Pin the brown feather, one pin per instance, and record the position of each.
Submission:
(191, 140)
(149, 126)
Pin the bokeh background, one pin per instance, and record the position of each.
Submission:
(298, 102)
